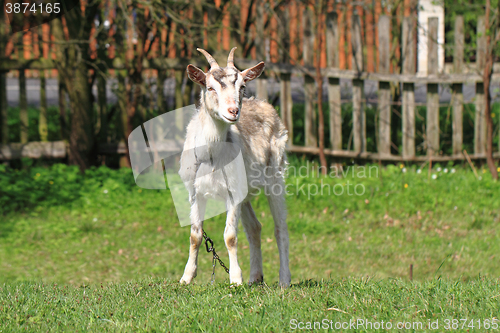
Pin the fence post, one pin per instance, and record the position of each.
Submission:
(480, 117)
(359, 115)
(408, 88)
(286, 102)
(458, 97)
(334, 99)
(384, 88)
(309, 85)
(261, 82)
(432, 132)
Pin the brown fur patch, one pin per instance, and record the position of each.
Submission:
(231, 242)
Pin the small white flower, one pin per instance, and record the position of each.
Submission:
(455, 208)
(404, 170)
(387, 194)
(434, 176)
(95, 219)
(438, 169)
(105, 191)
(452, 171)
(480, 177)
(445, 170)
(419, 171)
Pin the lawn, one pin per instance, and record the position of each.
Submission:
(95, 252)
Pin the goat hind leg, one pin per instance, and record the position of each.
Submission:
(278, 210)
(253, 230)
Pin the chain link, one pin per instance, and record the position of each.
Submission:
(210, 248)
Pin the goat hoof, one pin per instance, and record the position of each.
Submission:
(185, 280)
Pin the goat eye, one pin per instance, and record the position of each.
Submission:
(210, 89)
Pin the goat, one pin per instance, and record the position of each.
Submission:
(254, 127)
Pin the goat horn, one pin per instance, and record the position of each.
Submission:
(213, 63)
(230, 59)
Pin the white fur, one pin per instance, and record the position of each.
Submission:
(262, 148)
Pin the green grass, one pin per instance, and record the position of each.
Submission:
(156, 305)
(351, 252)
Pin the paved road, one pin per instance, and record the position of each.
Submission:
(33, 88)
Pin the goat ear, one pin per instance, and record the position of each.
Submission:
(253, 72)
(196, 75)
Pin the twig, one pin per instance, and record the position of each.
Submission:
(335, 309)
(470, 163)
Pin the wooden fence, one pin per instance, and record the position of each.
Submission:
(333, 74)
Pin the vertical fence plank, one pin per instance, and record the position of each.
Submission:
(42, 122)
(408, 88)
(23, 97)
(309, 86)
(286, 103)
(359, 115)
(3, 84)
(161, 76)
(432, 129)
(458, 97)
(260, 44)
(334, 99)
(179, 98)
(480, 117)
(384, 88)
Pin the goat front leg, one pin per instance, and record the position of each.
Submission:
(197, 216)
(231, 240)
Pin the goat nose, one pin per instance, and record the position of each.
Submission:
(234, 111)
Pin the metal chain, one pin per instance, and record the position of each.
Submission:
(215, 256)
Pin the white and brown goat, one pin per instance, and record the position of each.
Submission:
(254, 127)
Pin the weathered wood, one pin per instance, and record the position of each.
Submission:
(179, 98)
(4, 127)
(408, 97)
(432, 129)
(286, 102)
(3, 109)
(480, 116)
(260, 48)
(309, 85)
(458, 97)
(42, 122)
(63, 117)
(376, 156)
(160, 87)
(181, 64)
(358, 109)
(384, 88)
(56, 149)
(23, 107)
(334, 102)
(102, 104)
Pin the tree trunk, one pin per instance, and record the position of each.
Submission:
(81, 140)
(488, 71)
